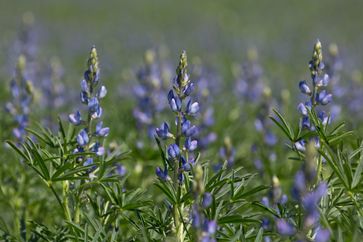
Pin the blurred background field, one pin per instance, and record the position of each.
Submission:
(219, 32)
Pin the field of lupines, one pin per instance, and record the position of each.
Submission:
(173, 148)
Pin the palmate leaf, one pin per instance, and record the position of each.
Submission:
(283, 125)
(168, 191)
(23, 154)
(40, 231)
(250, 192)
(267, 209)
(162, 153)
(334, 162)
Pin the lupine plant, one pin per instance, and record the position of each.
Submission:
(327, 174)
(73, 182)
(183, 141)
(77, 169)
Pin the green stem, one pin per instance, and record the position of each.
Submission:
(360, 211)
(66, 213)
(65, 200)
(177, 208)
(319, 170)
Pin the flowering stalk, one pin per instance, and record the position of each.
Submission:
(90, 136)
(183, 143)
(249, 84)
(149, 92)
(53, 92)
(318, 97)
(204, 229)
(308, 195)
(91, 95)
(22, 97)
(317, 93)
(206, 91)
(265, 155)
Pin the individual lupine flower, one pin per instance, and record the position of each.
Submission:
(88, 139)
(82, 138)
(173, 151)
(192, 108)
(304, 88)
(162, 174)
(75, 118)
(121, 170)
(190, 145)
(163, 132)
(174, 102)
(323, 97)
(22, 97)
(102, 131)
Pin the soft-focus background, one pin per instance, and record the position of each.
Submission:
(219, 32)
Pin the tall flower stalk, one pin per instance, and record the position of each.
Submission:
(308, 190)
(308, 194)
(53, 93)
(89, 137)
(179, 149)
(149, 92)
(317, 94)
(22, 96)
